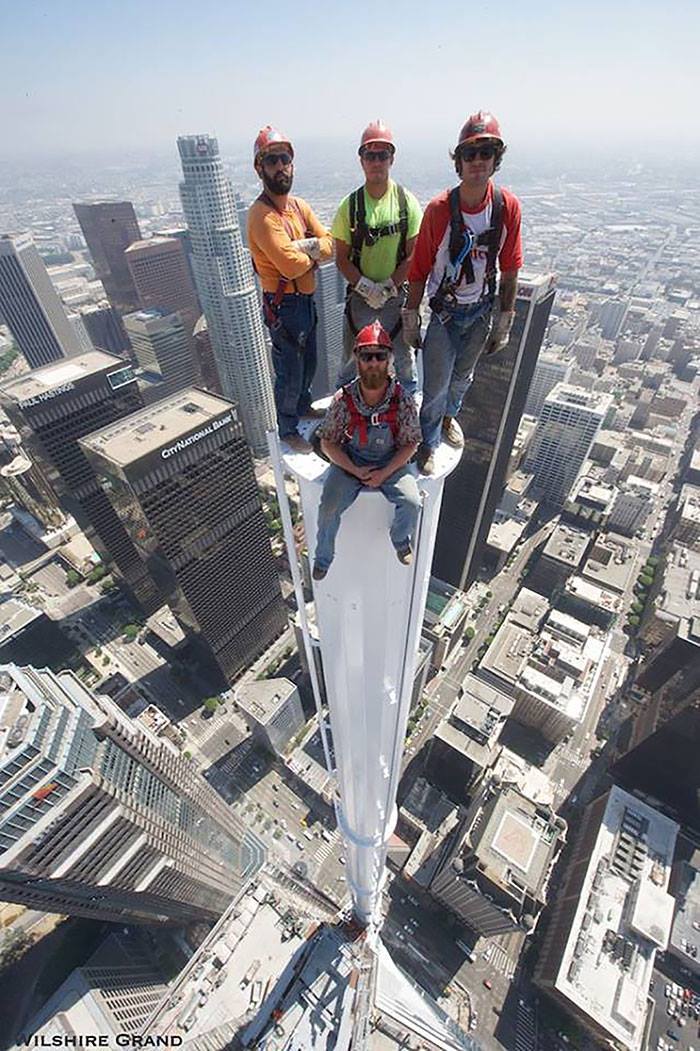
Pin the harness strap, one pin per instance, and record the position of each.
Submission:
(361, 234)
(490, 238)
(494, 231)
(358, 420)
(273, 307)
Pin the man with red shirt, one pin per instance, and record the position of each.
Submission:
(467, 235)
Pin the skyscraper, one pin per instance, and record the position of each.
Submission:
(549, 370)
(226, 286)
(161, 274)
(489, 419)
(52, 408)
(569, 422)
(102, 819)
(109, 227)
(162, 346)
(208, 374)
(30, 304)
(329, 298)
(105, 329)
(181, 477)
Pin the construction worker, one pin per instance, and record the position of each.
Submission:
(287, 242)
(370, 433)
(374, 229)
(467, 235)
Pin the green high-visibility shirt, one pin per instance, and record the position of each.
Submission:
(378, 262)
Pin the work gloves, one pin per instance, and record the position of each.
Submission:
(310, 245)
(374, 295)
(410, 327)
(501, 324)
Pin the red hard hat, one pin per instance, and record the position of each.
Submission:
(374, 335)
(269, 136)
(481, 125)
(376, 132)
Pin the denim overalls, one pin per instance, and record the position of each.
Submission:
(340, 490)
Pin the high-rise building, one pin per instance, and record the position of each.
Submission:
(52, 408)
(549, 371)
(489, 419)
(569, 422)
(105, 329)
(30, 304)
(503, 833)
(226, 286)
(161, 274)
(100, 818)
(109, 227)
(329, 298)
(610, 315)
(208, 374)
(611, 914)
(162, 346)
(181, 477)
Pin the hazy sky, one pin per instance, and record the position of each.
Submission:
(80, 75)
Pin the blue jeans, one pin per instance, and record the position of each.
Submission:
(390, 317)
(339, 492)
(294, 360)
(451, 350)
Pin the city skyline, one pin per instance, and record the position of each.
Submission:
(477, 761)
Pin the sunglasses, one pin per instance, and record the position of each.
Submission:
(271, 160)
(376, 155)
(484, 153)
(366, 356)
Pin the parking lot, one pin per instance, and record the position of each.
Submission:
(676, 1022)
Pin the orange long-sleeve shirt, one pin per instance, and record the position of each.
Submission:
(270, 242)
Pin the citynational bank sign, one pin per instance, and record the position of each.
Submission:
(191, 439)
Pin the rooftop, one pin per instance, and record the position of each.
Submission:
(528, 609)
(138, 247)
(690, 503)
(566, 545)
(263, 698)
(514, 842)
(623, 915)
(679, 597)
(48, 378)
(611, 562)
(593, 595)
(183, 417)
(427, 804)
(685, 935)
(556, 661)
(15, 616)
(593, 493)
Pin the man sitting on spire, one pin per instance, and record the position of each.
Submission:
(369, 434)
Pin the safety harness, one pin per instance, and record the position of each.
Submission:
(271, 306)
(358, 421)
(462, 242)
(361, 234)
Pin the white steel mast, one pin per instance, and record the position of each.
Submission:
(369, 612)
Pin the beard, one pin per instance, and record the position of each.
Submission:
(279, 183)
(373, 379)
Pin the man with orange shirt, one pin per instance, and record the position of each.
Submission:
(467, 236)
(287, 241)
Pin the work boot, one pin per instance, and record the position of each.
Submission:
(314, 414)
(318, 572)
(404, 554)
(426, 460)
(452, 432)
(297, 444)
